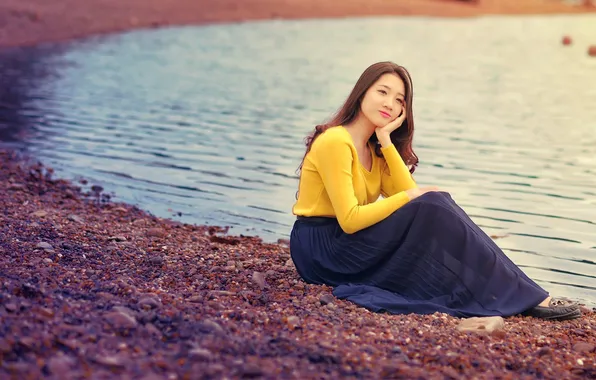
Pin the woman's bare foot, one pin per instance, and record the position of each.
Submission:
(546, 302)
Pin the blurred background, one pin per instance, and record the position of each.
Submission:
(205, 123)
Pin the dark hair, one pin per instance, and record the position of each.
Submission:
(401, 137)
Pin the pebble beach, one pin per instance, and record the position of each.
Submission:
(96, 289)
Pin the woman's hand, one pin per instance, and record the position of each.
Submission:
(383, 133)
(418, 191)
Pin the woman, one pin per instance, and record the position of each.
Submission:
(413, 251)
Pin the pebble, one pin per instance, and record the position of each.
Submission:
(149, 303)
(110, 361)
(210, 326)
(584, 347)
(16, 186)
(60, 364)
(156, 232)
(327, 299)
(11, 307)
(121, 320)
(487, 325)
(259, 279)
(40, 214)
(293, 321)
(200, 354)
(45, 246)
(75, 218)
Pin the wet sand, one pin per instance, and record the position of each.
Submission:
(95, 289)
(34, 21)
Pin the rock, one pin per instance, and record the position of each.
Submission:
(16, 186)
(60, 364)
(45, 246)
(49, 313)
(75, 218)
(251, 370)
(48, 260)
(156, 232)
(543, 351)
(584, 348)
(293, 322)
(200, 354)
(112, 361)
(149, 303)
(117, 238)
(209, 326)
(259, 279)
(487, 325)
(326, 299)
(11, 307)
(566, 40)
(156, 260)
(40, 214)
(592, 51)
(121, 320)
(152, 330)
(124, 310)
(120, 209)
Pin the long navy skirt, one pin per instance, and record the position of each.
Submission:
(426, 257)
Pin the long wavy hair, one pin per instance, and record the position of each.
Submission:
(402, 137)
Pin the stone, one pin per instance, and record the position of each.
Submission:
(16, 186)
(40, 214)
(326, 299)
(209, 326)
(121, 320)
(149, 303)
(485, 325)
(60, 364)
(75, 218)
(584, 348)
(124, 310)
(200, 354)
(110, 361)
(259, 279)
(45, 246)
(156, 232)
(293, 322)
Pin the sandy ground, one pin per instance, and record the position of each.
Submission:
(33, 21)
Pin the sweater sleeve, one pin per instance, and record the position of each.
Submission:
(397, 178)
(334, 162)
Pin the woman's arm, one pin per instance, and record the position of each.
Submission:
(334, 160)
(395, 177)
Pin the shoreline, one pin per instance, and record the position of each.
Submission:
(38, 21)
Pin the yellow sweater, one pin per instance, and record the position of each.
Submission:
(334, 183)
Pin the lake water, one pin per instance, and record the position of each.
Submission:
(205, 124)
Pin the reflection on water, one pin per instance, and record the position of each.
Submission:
(208, 122)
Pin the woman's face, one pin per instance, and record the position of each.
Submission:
(384, 101)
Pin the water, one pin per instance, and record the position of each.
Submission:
(205, 124)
